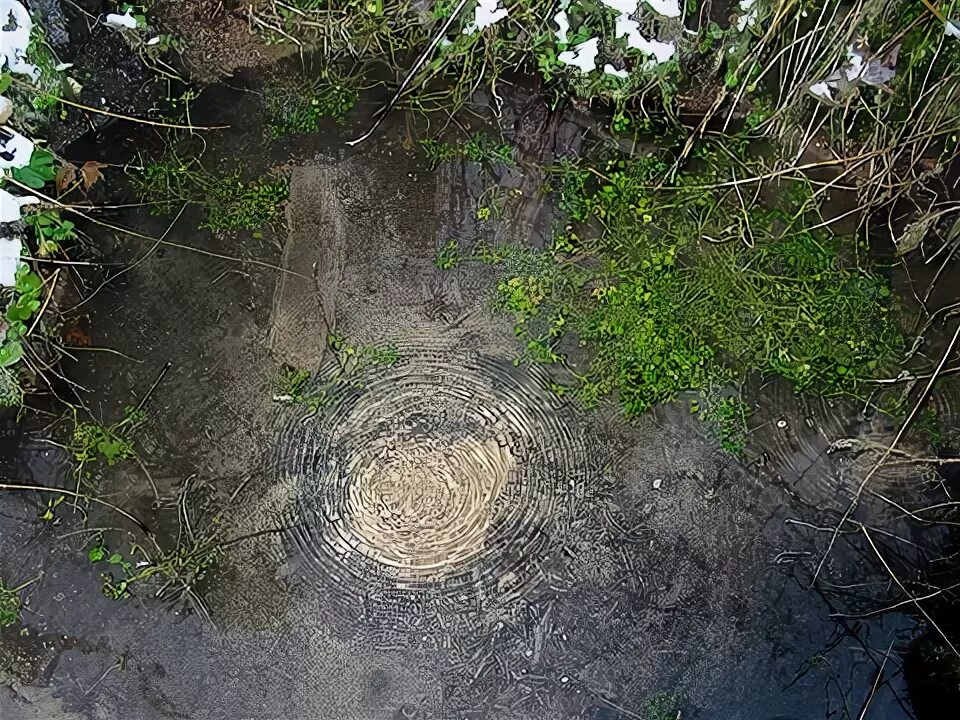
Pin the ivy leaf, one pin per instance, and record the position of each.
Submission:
(39, 172)
(5, 81)
(10, 353)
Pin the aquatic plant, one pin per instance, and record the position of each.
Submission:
(677, 285)
(298, 386)
(230, 203)
(296, 104)
(183, 566)
(478, 147)
(92, 441)
(10, 602)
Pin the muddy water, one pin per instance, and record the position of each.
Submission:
(444, 538)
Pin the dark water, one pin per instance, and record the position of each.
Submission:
(445, 538)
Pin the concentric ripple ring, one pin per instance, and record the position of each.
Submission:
(447, 470)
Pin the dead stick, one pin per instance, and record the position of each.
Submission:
(64, 491)
(886, 454)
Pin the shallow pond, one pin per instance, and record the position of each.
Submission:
(441, 536)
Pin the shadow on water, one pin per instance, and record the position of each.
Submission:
(443, 538)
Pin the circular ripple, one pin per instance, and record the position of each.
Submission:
(448, 473)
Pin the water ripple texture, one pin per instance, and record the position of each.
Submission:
(449, 473)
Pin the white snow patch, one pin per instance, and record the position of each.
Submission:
(10, 249)
(822, 90)
(624, 7)
(667, 8)
(10, 205)
(952, 28)
(13, 43)
(630, 29)
(563, 22)
(583, 56)
(854, 67)
(616, 72)
(748, 14)
(661, 51)
(488, 12)
(127, 20)
(154, 40)
(6, 108)
(15, 149)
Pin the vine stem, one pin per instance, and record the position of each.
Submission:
(121, 116)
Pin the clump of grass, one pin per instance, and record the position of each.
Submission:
(230, 202)
(297, 104)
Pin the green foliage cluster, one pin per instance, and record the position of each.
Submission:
(728, 417)
(297, 104)
(297, 386)
(661, 706)
(683, 284)
(10, 602)
(125, 572)
(229, 202)
(478, 148)
(50, 230)
(92, 441)
(20, 310)
(9, 606)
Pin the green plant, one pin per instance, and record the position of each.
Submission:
(10, 603)
(296, 105)
(38, 172)
(727, 417)
(661, 706)
(229, 202)
(299, 387)
(232, 204)
(51, 231)
(92, 441)
(478, 148)
(449, 256)
(930, 430)
(25, 302)
(674, 284)
(124, 573)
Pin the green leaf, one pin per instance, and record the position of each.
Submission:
(5, 81)
(39, 172)
(10, 353)
(115, 559)
(97, 553)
